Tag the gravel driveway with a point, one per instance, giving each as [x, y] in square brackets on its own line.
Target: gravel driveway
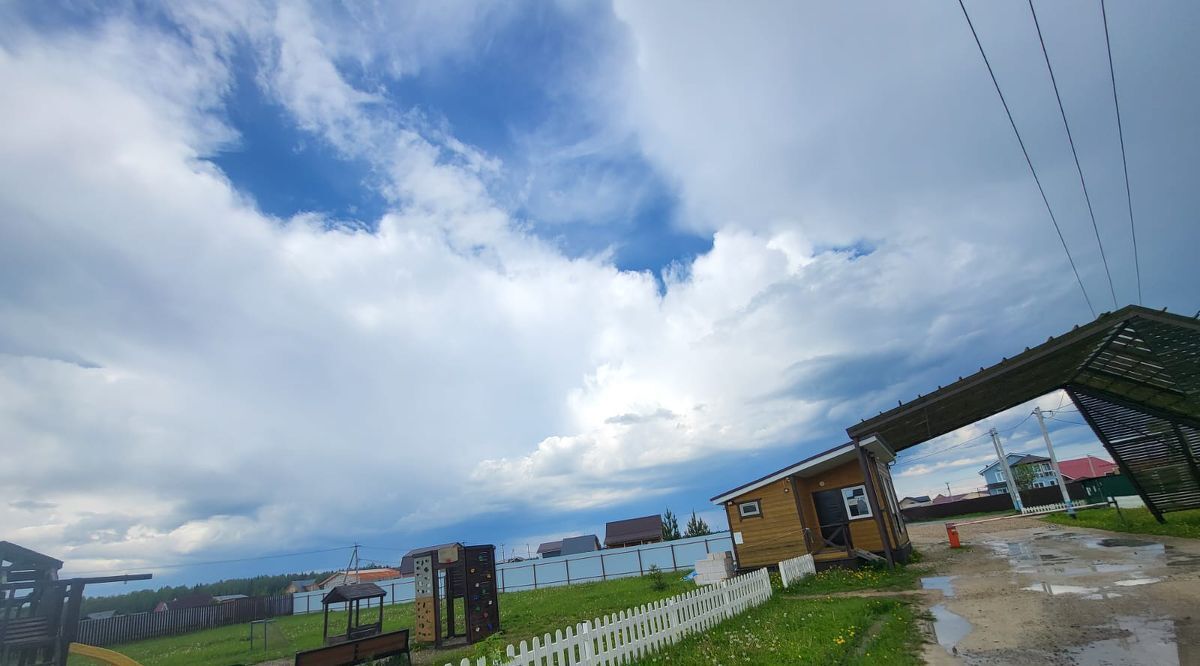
[1028, 592]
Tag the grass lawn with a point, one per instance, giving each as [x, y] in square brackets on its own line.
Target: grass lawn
[1138, 521]
[868, 577]
[847, 630]
[523, 615]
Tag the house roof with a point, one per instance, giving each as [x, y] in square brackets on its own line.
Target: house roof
[221, 598]
[101, 615]
[646, 528]
[946, 499]
[363, 575]
[815, 464]
[197, 600]
[1021, 459]
[585, 544]
[918, 498]
[352, 592]
[303, 583]
[550, 547]
[1088, 467]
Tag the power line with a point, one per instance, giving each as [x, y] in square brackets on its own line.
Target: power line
[964, 443]
[1028, 161]
[1075, 154]
[1124, 164]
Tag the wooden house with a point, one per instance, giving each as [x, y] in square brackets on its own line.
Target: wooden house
[633, 532]
[839, 505]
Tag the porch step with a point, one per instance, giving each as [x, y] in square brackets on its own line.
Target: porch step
[868, 556]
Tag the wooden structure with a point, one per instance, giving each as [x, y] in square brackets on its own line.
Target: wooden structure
[360, 651]
[1134, 375]
[39, 613]
[838, 505]
[633, 531]
[450, 573]
[353, 596]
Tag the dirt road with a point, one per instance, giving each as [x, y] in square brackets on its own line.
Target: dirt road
[1028, 592]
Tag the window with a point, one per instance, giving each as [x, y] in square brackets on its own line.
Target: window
[751, 509]
[857, 505]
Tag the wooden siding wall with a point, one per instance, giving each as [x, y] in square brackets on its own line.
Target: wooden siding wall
[863, 532]
[775, 536]
[895, 524]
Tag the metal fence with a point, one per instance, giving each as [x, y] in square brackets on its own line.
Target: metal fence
[126, 628]
[606, 564]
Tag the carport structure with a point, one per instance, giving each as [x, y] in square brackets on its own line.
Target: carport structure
[1134, 374]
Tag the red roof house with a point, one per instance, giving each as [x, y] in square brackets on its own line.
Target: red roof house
[1088, 467]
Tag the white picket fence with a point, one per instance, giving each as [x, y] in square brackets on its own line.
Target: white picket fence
[1057, 506]
[634, 633]
[1045, 508]
[796, 568]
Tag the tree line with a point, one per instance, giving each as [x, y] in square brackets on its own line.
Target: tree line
[695, 527]
[143, 601]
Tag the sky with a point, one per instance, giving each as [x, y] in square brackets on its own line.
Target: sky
[277, 278]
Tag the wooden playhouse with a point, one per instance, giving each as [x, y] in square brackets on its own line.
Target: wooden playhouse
[838, 505]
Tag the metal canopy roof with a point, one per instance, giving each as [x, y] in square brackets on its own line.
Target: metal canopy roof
[1127, 371]
[1113, 354]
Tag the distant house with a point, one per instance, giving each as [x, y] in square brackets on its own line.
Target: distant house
[100, 615]
[550, 549]
[946, 499]
[297, 586]
[198, 600]
[226, 598]
[633, 532]
[359, 576]
[1043, 474]
[919, 500]
[1088, 467]
[406, 562]
[584, 544]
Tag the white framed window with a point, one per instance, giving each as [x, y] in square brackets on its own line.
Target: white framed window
[751, 509]
[855, 498]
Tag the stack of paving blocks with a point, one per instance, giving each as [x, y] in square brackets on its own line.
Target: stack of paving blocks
[714, 568]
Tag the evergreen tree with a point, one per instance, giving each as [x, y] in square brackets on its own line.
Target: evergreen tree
[696, 526]
[670, 526]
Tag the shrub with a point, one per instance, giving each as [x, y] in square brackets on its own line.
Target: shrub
[658, 581]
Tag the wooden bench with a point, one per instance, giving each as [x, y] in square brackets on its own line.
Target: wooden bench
[362, 650]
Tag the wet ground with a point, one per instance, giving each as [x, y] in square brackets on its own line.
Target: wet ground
[1027, 592]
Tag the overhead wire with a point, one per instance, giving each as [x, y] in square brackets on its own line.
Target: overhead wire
[1124, 163]
[1028, 161]
[961, 444]
[1071, 140]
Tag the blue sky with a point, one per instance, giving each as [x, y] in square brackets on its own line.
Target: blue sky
[536, 266]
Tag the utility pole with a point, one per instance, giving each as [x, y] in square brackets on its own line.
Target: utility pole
[1037, 411]
[948, 492]
[1008, 477]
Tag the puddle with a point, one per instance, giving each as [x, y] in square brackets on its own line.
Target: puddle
[1136, 581]
[1055, 589]
[1124, 542]
[1140, 641]
[939, 583]
[948, 627]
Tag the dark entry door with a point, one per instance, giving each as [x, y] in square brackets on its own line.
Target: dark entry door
[831, 513]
